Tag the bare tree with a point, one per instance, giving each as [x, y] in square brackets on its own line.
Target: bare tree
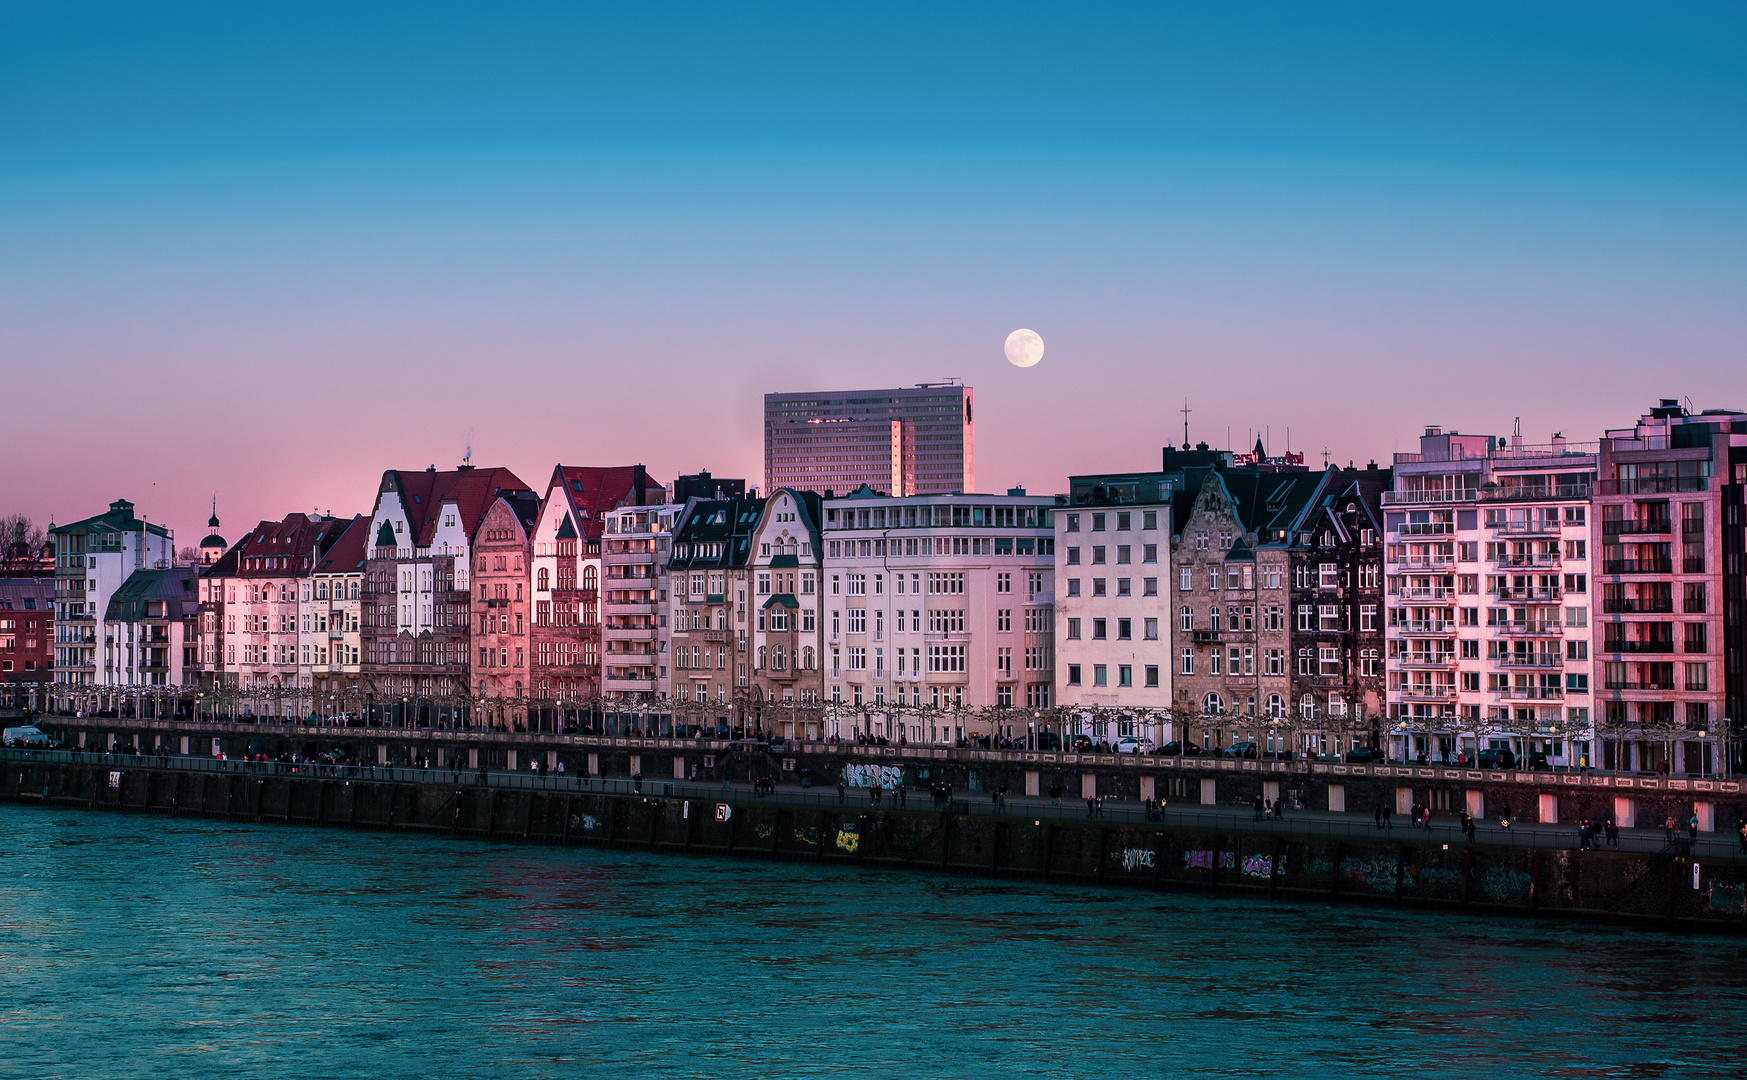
[30, 532]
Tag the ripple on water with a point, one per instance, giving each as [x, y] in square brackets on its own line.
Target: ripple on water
[136, 946]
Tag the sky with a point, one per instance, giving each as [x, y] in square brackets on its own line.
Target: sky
[269, 250]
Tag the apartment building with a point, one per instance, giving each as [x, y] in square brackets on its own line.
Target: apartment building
[1335, 647]
[1488, 583]
[256, 646]
[566, 639]
[154, 618]
[1113, 618]
[1667, 521]
[636, 546]
[502, 550]
[938, 614]
[93, 559]
[335, 618]
[417, 602]
[27, 622]
[918, 440]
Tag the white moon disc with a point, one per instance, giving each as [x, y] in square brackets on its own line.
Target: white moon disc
[1024, 348]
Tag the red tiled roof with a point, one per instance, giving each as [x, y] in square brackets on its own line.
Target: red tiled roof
[349, 550]
[471, 490]
[592, 490]
[290, 541]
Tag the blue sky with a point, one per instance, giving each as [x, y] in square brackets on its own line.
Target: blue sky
[598, 235]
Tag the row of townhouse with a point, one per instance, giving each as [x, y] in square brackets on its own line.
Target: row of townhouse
[1581, 601]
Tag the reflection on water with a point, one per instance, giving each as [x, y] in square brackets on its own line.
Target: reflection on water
[147, 946]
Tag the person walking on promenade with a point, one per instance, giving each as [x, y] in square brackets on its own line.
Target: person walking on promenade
[1468, 825]
[840, 791]
[1692, 827]
[1583, 835]
[1377, 815]
[1259, 806]
[903, 795]
[1098, 801]
[1088, 806]
[1741, 835]
[1612, 831]
[1055, 794]
[1279, 809]
[1668, 829]
[1388, 819]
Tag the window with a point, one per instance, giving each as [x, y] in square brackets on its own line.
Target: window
[1004, 620]
[1149, 586]
[1034, 583]
[1305, 661]
[946, 584]
[946, 622]
[1216, 663]
[1073, 523]
[1073, 629]
[1003, 582]
[1151, 629]
[1098, 587]
[1698, 677]
[1329, 617]
[1098, 629]
[1328, 660]
[1073, 556]
[1367, 617]
[857, 658]
[1098, 555]
[1695, 638]
[1213, 705]
[1187, 662]
[1124, 675]
[1100, 676]
[1122, 554]
[1273, 662]
[1693, 597]
[857, 620]
[1306, 617]
[1185, 579]
[1124, 629]
[1188, 618]
[1122, 587]
[1073, 586]
[1073, 674]
[1328, 575]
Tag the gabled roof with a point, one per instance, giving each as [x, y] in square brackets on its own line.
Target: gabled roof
[348, 551]
[293, 544]
[729, 522]
[589, 491]
[424, 493]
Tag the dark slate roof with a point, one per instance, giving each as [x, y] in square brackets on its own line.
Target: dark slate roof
[117, 519]
[348, 551]
[729, 522]
[422, 494]
[784, 562]
[174, 586]
[785, 599]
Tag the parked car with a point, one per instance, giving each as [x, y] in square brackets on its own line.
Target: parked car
[1187, 749]
[1048, 740]
[1538, 760]
[1081, 743]
[1240, 750]
[1128, 744]
[1498, 757]
[1363, 755]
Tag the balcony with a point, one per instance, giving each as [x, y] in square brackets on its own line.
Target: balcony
[1531, 595]
[1531, 693]
[1434, 627]
[1636, 527]
[1559, 493]
[1532, 629]
[1638, 566]
[1421, 498]
[1205, 637]
[1531, 527]
[1541, 662]
[1618, 645]
[1652, 685]
[1428, 691]
[1427, 562]
[1427, 660]
[1692, 566]
[1658, 485]
[1657, 606]
[1426, 528]
[1427, 592]
[1528, 562]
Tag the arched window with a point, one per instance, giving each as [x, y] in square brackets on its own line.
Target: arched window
[591, 578]
[761, 657]
[352, 593]
[1276, 707]
[544, 580]
[321, 590]
[1212, 705]
[807, 657]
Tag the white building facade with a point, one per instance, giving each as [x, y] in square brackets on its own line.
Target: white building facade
[93, 559]
[938, 614]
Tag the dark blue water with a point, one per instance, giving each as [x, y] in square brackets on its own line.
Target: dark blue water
[147, 946]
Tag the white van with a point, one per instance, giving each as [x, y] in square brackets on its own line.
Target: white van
[27, 736]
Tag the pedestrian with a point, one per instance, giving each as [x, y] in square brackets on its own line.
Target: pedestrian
[1668, 829]
[1583, 835]
[1388, 822]
[1099, 802]
[1741, 835]
[903, 796]
[1279, 810]
[841, 790]
[1692, 827]
[1259, 805]
[1612, 829]
[1377, 815]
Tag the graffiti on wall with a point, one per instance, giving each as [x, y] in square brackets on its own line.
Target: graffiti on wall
[1377, 873]
[1502, 884]
[1262, 866]
[1203, 860]
[849, 839]
[1133, 858]
[885, 776]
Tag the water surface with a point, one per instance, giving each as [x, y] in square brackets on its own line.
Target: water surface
[152, 946]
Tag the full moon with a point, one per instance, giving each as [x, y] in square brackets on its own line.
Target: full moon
[1024, 348]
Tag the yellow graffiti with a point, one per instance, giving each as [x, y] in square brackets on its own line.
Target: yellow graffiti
[807, 836]
[849, 840]
[761, 831]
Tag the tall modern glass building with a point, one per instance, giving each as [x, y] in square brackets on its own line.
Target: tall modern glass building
[913, 441]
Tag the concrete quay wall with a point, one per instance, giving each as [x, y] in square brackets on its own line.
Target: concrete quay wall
[1403, 867]
[1564, 798]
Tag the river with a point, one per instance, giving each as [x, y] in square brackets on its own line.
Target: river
[182, 947]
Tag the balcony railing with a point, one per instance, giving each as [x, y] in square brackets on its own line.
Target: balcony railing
[1530, 593]
[1427, 562]
[1535, 494]
[1530, 693]
[1652, 685]
[1532, 629]
[1427, 592]
[1637, 566]
[1692, 566]
[1427, 627]
[1636, 526]
[1638, 607]
[1426, 528]
[1529, 562]
[1428, 692]
[1542, 662]
[1616, 645]
[1656, 485]
[1419, 498]
[1426, 660]
[1531, 527]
